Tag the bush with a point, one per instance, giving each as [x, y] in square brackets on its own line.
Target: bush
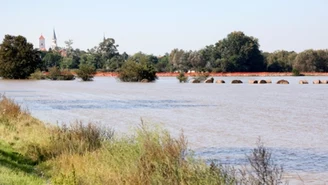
[66, 75]
[86, 72]
[132, 71]
[37, 75]
[296, 72]
[56, 74]
[182, 77]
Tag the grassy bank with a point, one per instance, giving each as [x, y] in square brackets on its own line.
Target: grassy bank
[32, 152]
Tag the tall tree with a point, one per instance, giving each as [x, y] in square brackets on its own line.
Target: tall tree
[312, 61]
[51, 59]
[69, 47]
[18, 59]
[240, 52]
[280, 61]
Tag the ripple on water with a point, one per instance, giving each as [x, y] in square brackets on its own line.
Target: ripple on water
[292, 160]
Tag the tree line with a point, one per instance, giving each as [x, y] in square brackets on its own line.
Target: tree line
[235, 53]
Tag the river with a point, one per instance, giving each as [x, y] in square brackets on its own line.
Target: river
[221, 121]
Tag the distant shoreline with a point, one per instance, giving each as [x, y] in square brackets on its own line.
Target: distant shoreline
[237, 74]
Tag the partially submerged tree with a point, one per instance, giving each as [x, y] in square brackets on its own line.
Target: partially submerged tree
[18, 59]
[137, 68]
[240, 53]
[182, 77]
[86, 72]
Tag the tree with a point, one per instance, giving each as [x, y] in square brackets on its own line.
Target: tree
[66, 63]
[163, 64]
[18, 59]
[69, 48]
[86, 72]
[312, 61]
[280, 61]
[137, 68]
[240, 53]
[197, 61]
[175, 57]
[51, 59]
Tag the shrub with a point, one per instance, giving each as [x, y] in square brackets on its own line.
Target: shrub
[296, 72]
[56, 74]
[182, 77]
[86, 72]
[37, 75]
[66, 75]
[132, 71]
[264, 171]
[261, 169]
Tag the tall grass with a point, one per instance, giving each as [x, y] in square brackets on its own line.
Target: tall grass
[8, 108]
[87, 154]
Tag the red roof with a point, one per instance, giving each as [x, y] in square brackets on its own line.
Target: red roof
[41, 37]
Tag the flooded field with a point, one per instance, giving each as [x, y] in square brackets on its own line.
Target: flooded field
[222, 122]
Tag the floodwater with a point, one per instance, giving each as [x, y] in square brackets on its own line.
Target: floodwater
[222, 122]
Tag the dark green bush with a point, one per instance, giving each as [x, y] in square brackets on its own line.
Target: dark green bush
[133, 71]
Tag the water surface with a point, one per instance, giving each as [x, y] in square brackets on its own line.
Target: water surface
[222, 122]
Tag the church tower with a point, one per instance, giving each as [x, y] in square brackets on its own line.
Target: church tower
[42, 43]
[54, 41]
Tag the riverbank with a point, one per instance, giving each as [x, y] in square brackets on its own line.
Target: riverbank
[33, 152]
[237, 74]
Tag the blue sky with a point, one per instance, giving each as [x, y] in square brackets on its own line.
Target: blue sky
[156, 27]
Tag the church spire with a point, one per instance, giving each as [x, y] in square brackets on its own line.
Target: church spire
[54, 41]
[54, 36]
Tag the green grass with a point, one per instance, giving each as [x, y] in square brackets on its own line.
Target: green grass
[17, 169]
[32, 152]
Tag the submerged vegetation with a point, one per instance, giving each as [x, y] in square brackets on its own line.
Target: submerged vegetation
[137, 69]
[182, 77]
[86, 72]
[32, 152]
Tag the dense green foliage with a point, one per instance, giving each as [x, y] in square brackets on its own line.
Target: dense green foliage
[138, 68]
[86, 72]
[235, 53]
[18, 59]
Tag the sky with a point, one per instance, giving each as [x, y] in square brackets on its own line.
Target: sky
[158, 26]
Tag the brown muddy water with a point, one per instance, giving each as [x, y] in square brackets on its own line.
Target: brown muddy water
[222, 122]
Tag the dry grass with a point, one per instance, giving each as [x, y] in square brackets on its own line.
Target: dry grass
[86, 154]
[9, 108]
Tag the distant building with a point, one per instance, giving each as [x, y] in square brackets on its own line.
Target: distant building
[54, 47]
[54, 41]
[42, 43]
